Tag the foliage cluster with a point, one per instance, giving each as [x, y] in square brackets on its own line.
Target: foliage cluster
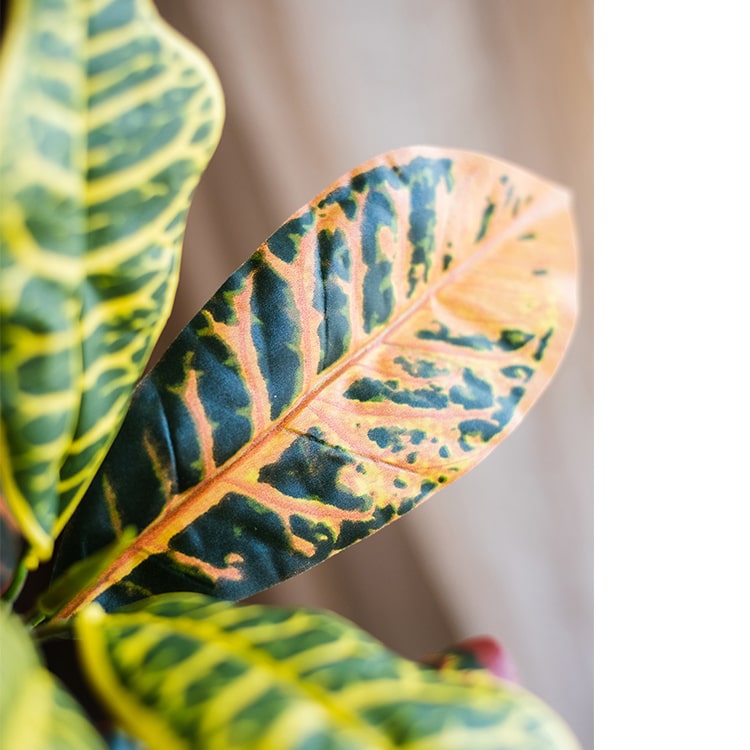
[375, 347]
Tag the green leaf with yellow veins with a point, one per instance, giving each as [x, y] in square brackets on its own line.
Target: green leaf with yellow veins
[36, 713]
[107, 120]
[185, 671]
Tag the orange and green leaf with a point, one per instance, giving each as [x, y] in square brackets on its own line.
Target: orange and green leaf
[376, 347]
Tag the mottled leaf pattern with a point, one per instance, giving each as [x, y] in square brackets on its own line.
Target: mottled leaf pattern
[376, 347]
[185, 671]
[36, 713]
[107, 119]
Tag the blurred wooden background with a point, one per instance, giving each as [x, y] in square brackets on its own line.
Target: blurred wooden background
[315, 88]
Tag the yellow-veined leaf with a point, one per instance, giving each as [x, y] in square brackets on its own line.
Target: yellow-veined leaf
[376, 347]
[107, 119]
[184, 671]
[36, 713]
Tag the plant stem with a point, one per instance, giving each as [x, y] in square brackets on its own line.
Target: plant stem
[16, 584]
[34, 618]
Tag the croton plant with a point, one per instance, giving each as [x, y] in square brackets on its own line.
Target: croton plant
[377, 346]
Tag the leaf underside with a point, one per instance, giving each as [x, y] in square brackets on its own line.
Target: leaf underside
[375, 348]
[36, 713]
[107, 119]
[185, 671]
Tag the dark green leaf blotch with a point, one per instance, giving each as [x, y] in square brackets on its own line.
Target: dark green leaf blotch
[486, 216]
[543, 341]
[368, 389]
[276, 335]
[309, 468]
[377, 303]
[513, 338]
[334, 331]
[478, 342]
[475, 393]
[284, 242]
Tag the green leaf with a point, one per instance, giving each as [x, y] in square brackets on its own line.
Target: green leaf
[376, 347]
[185, 671]
[120, 740]
[36, 713]
[10, 550]
[107, 119]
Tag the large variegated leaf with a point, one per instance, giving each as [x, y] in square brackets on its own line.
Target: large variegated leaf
[376, 347]
[107, 119]
[184, 671]
[36, 713]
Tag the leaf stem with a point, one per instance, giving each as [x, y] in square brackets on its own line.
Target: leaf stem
[34, 618]
[16, 585]
[53, 630]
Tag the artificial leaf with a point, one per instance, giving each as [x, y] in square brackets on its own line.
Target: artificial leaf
[107, 119]
[376, 347]
[185, 671]
[36, 713]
